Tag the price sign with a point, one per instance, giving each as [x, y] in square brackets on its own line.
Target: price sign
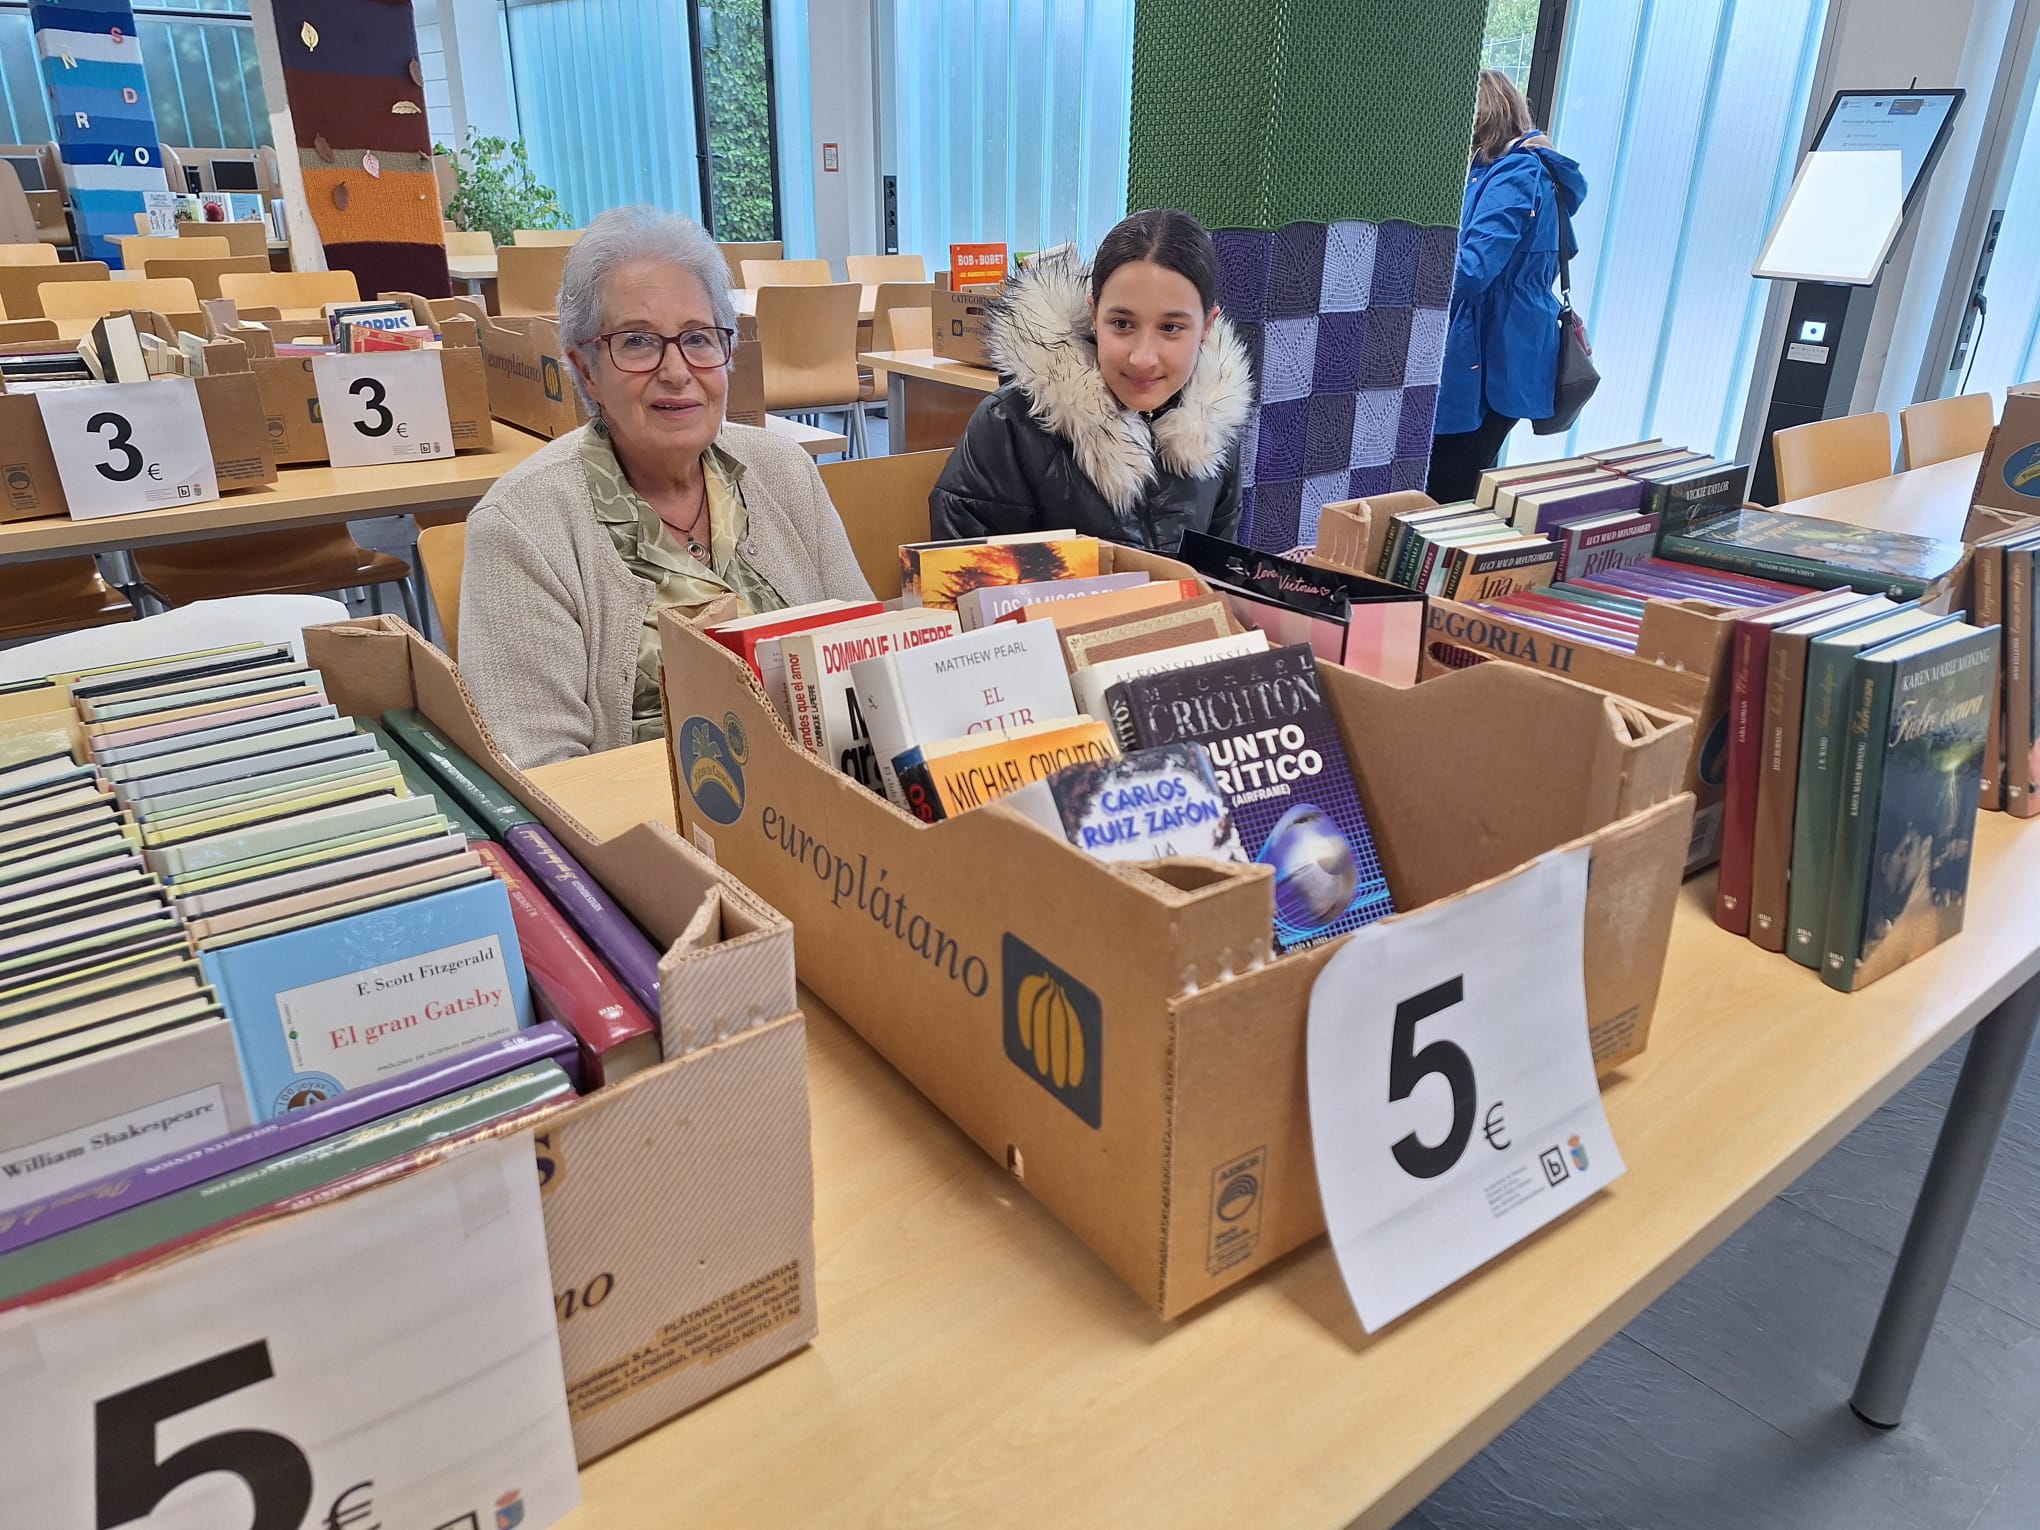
[1453, 1104]
[388, 1360]
[383, 406]
[124, 447]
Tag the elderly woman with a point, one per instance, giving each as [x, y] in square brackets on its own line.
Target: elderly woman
[657, 503]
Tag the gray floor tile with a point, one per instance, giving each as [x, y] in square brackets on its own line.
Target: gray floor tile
[2015, 1502]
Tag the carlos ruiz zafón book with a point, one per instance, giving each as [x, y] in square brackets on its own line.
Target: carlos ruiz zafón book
[1276, 750]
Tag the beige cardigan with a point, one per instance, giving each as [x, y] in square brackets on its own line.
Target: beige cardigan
[550, 616]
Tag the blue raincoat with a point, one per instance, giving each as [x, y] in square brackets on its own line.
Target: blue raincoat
[1501, 346]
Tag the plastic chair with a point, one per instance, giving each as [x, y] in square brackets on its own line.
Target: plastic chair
[204, 275]
[38, 599]
[37, 254]
[900, 316]
[787, 273]
[807, 338]
[735, 253]
[303, 560]
[242, 238]
[137, 250]
[298, 294]
[1943, 428]
[75, 304]
[528, 278]
[1831, 454]
[442, 550]
[874, 269]
[21, 286]
[883, 502]
[539, 238]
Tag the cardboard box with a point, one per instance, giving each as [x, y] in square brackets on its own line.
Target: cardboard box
[959, 321]
[744, 403]
[924, 936]
[530, 380]
[2010, 476]
[1351, 533]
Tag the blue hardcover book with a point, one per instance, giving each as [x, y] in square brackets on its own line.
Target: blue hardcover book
[323, 1009]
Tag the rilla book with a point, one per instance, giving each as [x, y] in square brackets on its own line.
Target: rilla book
[1277, 753]
[1595, 544]
[1817, 553]
[939, 573]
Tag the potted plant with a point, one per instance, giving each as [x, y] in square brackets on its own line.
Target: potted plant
[496, 190]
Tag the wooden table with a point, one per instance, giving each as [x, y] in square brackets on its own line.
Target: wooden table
[472, 268]
[1931, 501]
[978, 1366]
[929, 399]
[817, 441]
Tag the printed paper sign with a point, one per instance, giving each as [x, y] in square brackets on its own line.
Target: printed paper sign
[390, 1359]
[126, 1141]
[123, 447]
[1453, 1104]
[383, 406]
[363, 1025]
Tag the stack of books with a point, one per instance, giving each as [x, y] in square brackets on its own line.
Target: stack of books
[1808, 551]
[1464, 553]
[1648, 477]
[2006, 588]
[377, 324]
[1606, 609]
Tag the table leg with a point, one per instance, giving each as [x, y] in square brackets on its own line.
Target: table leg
[895, 414]
[1969, 1135]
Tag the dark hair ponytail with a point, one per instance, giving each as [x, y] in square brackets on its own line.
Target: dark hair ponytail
[1173, 240]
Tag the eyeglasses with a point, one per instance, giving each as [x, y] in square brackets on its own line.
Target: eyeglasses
[642, 350]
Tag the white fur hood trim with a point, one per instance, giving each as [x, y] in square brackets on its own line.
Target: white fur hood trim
[1040, 337]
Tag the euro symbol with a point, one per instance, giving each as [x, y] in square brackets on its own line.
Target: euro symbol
[156, 470]
[1492, 1129]
[346, 1516]
[403, 429]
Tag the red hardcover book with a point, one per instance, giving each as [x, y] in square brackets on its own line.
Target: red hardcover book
[742, 636]
[570, 983]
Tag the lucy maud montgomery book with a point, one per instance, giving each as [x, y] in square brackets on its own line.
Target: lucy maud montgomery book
[1276, 752]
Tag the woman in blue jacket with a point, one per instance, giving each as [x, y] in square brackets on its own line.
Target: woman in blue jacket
[1501, 347]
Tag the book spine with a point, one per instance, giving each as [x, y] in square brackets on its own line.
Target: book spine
[421, 784]
[1861, 779]
[799, 698]
[1789, 569]
[1990, 564]
[477, 790]
[589, 909]
[1119, 716]
[1739, 796]
[884, 714]
[1777, 778]
[1813, 824]
[917, 787]
[2019, 798]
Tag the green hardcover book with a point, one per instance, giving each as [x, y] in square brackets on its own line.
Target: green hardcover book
[1919, 711]
[178, 1217]
[1804, 549]
[248, 869]
[353, 775]
[421, 782]
[1823, 727]
[478, 791]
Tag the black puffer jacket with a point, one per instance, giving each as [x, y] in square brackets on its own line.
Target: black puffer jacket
[1054, 447]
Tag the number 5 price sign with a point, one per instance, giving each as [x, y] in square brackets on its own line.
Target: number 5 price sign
[1453, 1104]
[383, 406]
[122, 447]
[389, 1359]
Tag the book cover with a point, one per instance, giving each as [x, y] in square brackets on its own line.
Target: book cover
[942, 785]
[271, 726]
[243, 767]
[2020, 799]
[1405, 524]
[742, 636]
[981, 607]
[1688, 491]
[822, 696]
[183, 696]
[261, 891]
[107, 681]
[1538, 511]
[420, 782]
[1919, 709]
[569, 984]
[1094, 680]
[325, 1008]
[478, 792]
[1105, 604]
[298, 705]
[316, 853]
[1149, 805]
[107, 1035]
[1188, 621]
[1492, 481]
[1987, 562]
[1276, 750]
[937, 574]
[598, 917]
[1482, 573]
[1512, 503]
[1004, 676]
[1814, 552]
[385, 811]
[209, 927]
[255, 810]
[1587, 548]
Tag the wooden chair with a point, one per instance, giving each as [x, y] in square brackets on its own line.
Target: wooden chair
[787, 273]
[539, 238]
[735, 254]
[20, 331]
[17, 218]
[900, 316]
[39, 599]
[303, 560]
[52, 227]
[1831, 454]
[807, 337]
[470, 242]
[1943, 428]
[204, 275]
[21, 286]
[298, 294]
[242, 238]
[874, 269]
[137, 250]
[141, 223]
[528, 278]
[37, 254]
[883, 502]
[80, 305]
[443, 550]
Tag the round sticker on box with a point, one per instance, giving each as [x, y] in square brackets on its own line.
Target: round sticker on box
[711, 769]
[2022, 471]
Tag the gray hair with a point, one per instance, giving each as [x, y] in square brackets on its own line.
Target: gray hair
[625, 234]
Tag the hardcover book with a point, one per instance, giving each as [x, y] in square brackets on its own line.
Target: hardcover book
[1497, 568]
[1538, 510]
[1149, 805]
[478, 792]
[1816, 553]
[1277, 753]
[1596, 544]
[589, 909]
[822, 696]
[1188, 621]
[981, 607]
[1094, 680]
[743, 635]
[942, 783]
[939, 573]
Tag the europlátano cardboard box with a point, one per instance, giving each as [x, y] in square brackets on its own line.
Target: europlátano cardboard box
[679, 1205]
[2010, 476]
[530, 381]
[932, 939]
[961, 323]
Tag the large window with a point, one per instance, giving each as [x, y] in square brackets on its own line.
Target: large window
[1012, 121]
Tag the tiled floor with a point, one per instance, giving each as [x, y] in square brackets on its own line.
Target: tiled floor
[1724, 1406]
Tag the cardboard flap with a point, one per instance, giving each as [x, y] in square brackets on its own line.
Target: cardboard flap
[457, 328]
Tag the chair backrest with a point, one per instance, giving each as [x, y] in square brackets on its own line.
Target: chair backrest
[528, 278]
[735, 253]
[173, 167]
[470, 242]
[141, 223]
[883, 502]
[51, 226]
[900, 316]
[787, 273]
[204, 275]
[447, 177]
[1831, 454]
[17, 218]
[296, 293]
[21, 286]
[443, 549]
[246, 238]
[873, 269]
[19, 331]
[88, 302]
[37, 254]
[137, 250]
[542, 237]
[1946, 427]
[807, 339]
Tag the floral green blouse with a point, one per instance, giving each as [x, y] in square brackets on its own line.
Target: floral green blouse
[651, 551]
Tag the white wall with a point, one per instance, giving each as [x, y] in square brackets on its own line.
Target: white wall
[843, 93]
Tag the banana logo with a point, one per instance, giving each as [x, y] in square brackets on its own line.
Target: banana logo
[1050, 1027]
[707, 768]
[2022, 470]
[2026, 475]
[714, 772]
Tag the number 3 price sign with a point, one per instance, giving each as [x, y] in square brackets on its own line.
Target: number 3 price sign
[122, 447]
[383, 406]
[1453, 1104]
[388, 1360]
